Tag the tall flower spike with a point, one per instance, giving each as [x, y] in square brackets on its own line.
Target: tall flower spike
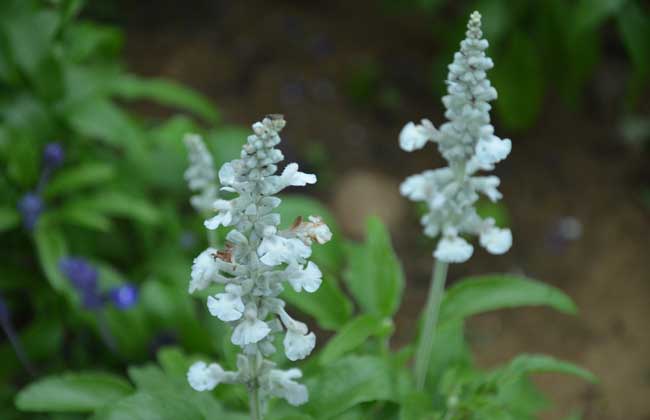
[200, 175]
[468, 143]
[257, 260]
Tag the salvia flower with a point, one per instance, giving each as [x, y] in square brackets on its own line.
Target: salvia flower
[30, 207]
[256, 261]
[200, 175]
[53, 155]
[83, 277]
[124, 296]
[468, 143]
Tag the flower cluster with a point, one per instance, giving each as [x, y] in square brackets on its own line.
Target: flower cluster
[200, 175]
[257, 258]
[31, 203]
[468, 143]
[83, 277]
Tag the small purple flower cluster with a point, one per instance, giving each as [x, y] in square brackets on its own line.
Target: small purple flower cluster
[31, 204]
[84, 276]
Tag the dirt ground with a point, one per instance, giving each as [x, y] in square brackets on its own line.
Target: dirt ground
[254, 57]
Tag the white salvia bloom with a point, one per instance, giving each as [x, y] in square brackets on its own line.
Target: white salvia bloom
[204, 377]
[309, 278]
[281, 384]
[453, 249]
[468, 143]
[204, 270]
[227, 306]
[257, 260]
[200, 175]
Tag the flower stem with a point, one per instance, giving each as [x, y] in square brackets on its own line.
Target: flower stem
[253, 391]
[425, 345]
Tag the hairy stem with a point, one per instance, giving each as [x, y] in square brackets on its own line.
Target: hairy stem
[254, 399]
[431, 310]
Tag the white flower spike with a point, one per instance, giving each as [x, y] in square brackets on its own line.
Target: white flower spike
[200, 175]
[257, 259]
[468, 143]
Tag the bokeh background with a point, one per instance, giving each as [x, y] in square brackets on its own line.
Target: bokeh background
[572, 78]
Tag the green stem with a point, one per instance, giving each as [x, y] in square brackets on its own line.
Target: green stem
[253, 391]
[425, 345]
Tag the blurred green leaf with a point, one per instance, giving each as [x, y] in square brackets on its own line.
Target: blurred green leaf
[347, 382]
[328, 305]
[225, 143]
[517, 76]
[74, 392]
[117, 203]
[79, 177]
[147, 406]
[526, 364]
[474, 295]
[166, 93]
[374, 275]
[51, 247]
[100, 119]
[634, 26]
[351, 336]
[78, 216]
[9, 218]
[84, 40]
[592, 13]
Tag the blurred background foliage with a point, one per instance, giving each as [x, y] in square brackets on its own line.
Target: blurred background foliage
[542, 45]
[119, 199]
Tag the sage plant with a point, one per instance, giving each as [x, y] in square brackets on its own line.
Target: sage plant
[253, 265]
[468, 144]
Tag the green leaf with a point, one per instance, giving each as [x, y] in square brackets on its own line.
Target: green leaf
[591, 13]
[9, 218]
[166, 93]
[100, 119]
[73, 392]
[116, 203]
[474, 295]
[526, 364]
[79, 177]
[51, 247]
[147, 406]
[352, 335]
[328, 305]
[634, 26]
[374, 275]
[518, 77]
[78, 216]
[347, 382]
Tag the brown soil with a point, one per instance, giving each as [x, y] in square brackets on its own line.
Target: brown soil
[256, 57]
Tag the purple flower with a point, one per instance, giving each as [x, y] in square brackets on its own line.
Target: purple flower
[53, 155]
[83, 277]
[124, 296]
[30, 207]
[80, 273]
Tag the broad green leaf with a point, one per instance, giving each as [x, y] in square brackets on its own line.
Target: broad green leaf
[146, 406]
[79, 177]
[9, 218]
[101, 119]
[591, 13]
[78, 216]
[352, 335]
[225, 143]
[116, 203]
[347, 382]
[474, 295]
[526, 364]
[174, 362]
[329, 306]
[51, 247]
[634, 26]
[73, 392]
[518, 77]
[328, 256]
[374, 274]
[166, 93]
